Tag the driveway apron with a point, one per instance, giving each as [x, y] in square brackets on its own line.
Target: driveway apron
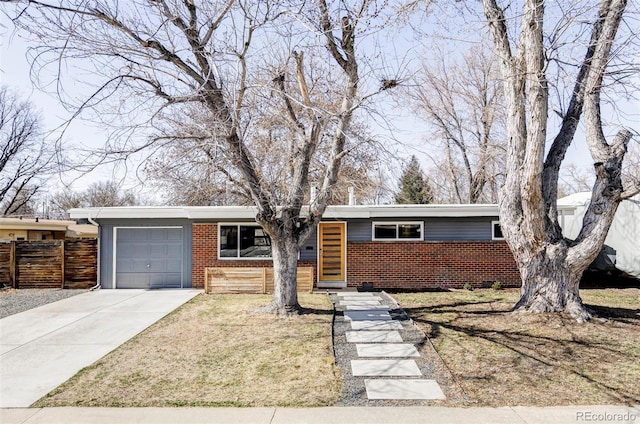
[45, 346]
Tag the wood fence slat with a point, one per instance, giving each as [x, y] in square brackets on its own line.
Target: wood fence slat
[81, 263]
[49, 263]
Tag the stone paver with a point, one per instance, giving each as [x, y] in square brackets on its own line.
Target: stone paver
[358, 294]
[366, 307]
[385, 367]
[361, 298]
[376, 325]
[403, 389]
[387, 350]
[373, 336]
[360, 303]
[376, 314]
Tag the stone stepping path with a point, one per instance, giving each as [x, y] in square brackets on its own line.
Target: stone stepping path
[386, 357]
[369, 315]
[376, 325]
[391, 350]
[403, 389]
[373, 336]
[385, 367]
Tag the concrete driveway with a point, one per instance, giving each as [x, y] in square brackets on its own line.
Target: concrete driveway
[43, 347]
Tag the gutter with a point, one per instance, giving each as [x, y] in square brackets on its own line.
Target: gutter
[98, 285]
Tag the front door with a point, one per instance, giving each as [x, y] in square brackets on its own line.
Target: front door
[332, 249]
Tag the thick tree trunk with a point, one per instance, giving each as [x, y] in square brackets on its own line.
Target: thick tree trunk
[550, 284]
[285, 252]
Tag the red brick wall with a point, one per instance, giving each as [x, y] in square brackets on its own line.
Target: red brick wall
[410, 265]
[205, 255]
[430, 265]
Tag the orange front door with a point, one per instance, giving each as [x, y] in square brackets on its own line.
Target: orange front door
[332, 251]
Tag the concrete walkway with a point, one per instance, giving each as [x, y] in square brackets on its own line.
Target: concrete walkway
[334, 415]
[43, 347]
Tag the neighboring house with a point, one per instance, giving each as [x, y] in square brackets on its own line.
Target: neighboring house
[16, 229]
[418, 247]
[624, 233]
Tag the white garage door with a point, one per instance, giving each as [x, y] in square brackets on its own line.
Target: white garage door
[148, 258]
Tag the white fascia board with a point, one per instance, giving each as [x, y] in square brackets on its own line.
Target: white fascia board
[125, 212]
[436, 211]
[346, 212]
[332, 212]
[221, 212]
[167, 212]
[410, 211]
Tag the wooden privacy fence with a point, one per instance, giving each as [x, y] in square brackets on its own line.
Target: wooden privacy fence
[69, 264]
[250, 280]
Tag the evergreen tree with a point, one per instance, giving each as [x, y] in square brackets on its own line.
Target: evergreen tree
[414, 186]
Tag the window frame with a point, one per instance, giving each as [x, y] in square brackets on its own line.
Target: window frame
[397, 225]
[238, 257]
[493, 231]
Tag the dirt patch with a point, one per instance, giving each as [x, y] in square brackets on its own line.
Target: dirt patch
[502, 358]
[213, 352]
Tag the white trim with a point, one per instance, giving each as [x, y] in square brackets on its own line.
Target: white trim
[115, 253]
[332, 212]
[239, 258]
[331, 284]
[397, 223]
[114, 258]
[493, 232]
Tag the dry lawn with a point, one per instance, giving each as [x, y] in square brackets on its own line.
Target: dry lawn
[213, 352]
[504, 359]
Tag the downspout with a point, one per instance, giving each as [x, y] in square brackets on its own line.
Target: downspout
[98, 285]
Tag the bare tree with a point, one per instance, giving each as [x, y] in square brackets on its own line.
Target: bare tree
[574, 179]
[98, 194]
[550, 265]
[24, 156]
[228, 57]
[62, 201]
[107, 193]
[190, 167]
[461, 100]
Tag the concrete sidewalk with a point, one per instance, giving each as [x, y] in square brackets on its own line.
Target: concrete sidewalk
[331, 415]
[45, 346]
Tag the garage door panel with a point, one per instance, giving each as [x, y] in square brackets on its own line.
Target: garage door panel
[172, 265]
[165, 250]
[174, 250]
[158, 234]
[165, 280]
[174, 234]
[149, 257]
[157, 250]
[127, 280]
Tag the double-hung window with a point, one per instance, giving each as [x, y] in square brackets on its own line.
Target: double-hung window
[403, 231]
[243, 241]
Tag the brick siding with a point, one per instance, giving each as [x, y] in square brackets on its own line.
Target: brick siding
[390, 265]
[430, 265]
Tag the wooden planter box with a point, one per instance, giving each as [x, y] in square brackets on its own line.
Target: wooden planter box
[250, 280]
